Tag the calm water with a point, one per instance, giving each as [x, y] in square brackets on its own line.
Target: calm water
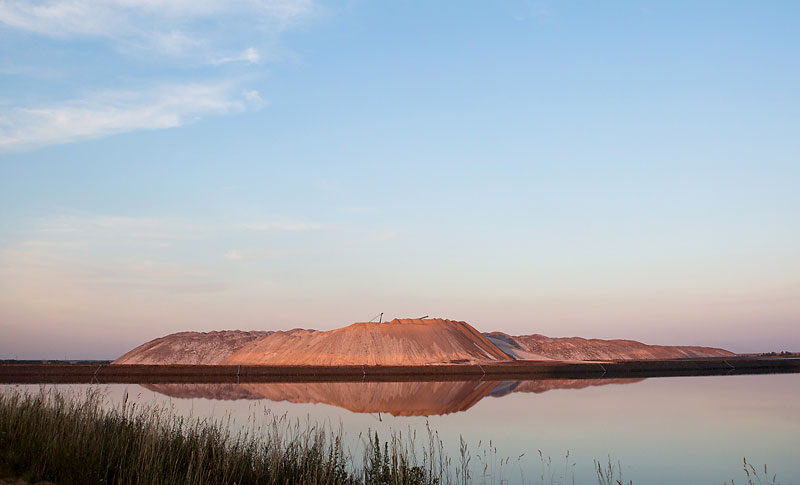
[662, 430]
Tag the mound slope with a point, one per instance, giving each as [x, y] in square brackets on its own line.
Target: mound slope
[190, 348]
[539, 347]
[398, 342]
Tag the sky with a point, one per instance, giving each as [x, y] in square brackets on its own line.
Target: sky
[600, 169]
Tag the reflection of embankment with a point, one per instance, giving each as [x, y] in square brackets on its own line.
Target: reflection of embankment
[395, 398]
[543, 385]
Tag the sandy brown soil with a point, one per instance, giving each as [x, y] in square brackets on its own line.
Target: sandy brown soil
[403, 342]
[190, 348]
[398, 342]
[579, 349]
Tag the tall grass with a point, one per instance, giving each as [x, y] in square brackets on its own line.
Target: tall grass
[54, 437]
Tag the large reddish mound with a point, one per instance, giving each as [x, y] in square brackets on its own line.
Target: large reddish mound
[398, 342]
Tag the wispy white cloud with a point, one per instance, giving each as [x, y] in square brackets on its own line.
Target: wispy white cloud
[167, 27]
[49, 244]
[114, 112]
[75, 223]
[81, 229]
[37, 72]
[174, 42]
[47, 266]
[174, 34]
[253, 98]
[89, 254]
[283, 226]
[122, 230]
[247, 56]
[126, 18]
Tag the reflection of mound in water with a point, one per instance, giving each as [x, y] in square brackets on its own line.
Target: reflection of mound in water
[539, 386]
[395, 398]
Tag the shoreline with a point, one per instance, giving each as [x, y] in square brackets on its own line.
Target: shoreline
[511, 370]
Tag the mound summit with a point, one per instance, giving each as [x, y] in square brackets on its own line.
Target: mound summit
[397, 342]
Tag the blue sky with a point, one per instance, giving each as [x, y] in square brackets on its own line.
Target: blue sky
[613, 170]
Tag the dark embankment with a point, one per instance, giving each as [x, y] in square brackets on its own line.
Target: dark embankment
[519, 370]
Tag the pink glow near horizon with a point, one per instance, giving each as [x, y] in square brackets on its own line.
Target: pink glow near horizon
[49, 313]
[596, 169]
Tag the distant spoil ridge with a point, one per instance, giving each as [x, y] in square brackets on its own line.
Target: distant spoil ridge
[398, 342]
[539, 347]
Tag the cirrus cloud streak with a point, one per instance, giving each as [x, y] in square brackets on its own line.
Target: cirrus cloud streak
[114, 112]
[119, 18]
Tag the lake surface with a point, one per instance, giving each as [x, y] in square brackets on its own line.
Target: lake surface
[661, 430]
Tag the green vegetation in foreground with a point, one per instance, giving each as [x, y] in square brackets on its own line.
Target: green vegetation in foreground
[52, 437]
[61, 438]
